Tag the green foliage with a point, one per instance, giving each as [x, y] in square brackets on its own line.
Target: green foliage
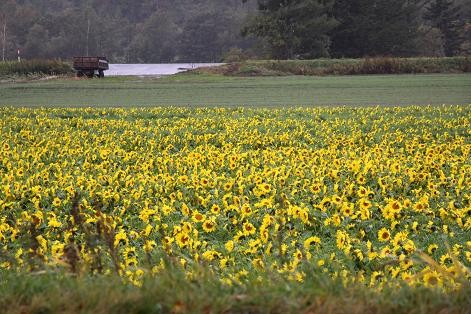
[150, 31]
[35, 67]
[146, 31]
[235, 55]
[445, 16]
[348, 66]
[375, 28]
[154, 40]
[295, 28]
[201, 37]
[51, 292]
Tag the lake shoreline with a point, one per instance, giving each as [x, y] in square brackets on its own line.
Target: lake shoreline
[158, 69]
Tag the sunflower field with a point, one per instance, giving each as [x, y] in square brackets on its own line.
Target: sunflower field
[375, 196]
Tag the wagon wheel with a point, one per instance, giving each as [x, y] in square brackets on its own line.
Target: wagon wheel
[79, 74]
[101, 74]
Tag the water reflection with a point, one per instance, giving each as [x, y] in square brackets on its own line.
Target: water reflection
[153, 69]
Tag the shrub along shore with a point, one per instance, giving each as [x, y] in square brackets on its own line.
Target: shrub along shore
[343, 66]
[315, 67]
[35, 68]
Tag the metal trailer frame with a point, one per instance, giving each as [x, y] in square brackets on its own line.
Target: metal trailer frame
[90, 66]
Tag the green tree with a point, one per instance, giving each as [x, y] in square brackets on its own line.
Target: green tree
[37, 42]
[294, 28]
[207, 36]
[375, 27]
[444, 15]
[123, 30]
[154, 41]
[199, 40]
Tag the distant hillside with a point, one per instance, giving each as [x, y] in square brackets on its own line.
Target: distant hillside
[162, 31]
[126, 30]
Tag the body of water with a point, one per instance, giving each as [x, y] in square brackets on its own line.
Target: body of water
[153, 69]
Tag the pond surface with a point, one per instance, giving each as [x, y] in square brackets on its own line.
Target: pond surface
[153, 69]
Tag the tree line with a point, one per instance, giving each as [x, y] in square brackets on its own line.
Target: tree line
[129, 31]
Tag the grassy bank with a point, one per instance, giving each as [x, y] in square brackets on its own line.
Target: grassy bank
[171, 292]
[34, 68]
[214, 90]
[345, 66]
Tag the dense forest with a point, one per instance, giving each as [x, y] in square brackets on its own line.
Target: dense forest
[129, 31]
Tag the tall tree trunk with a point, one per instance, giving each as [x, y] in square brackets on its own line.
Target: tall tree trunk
[88, 33]
[4, 38]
